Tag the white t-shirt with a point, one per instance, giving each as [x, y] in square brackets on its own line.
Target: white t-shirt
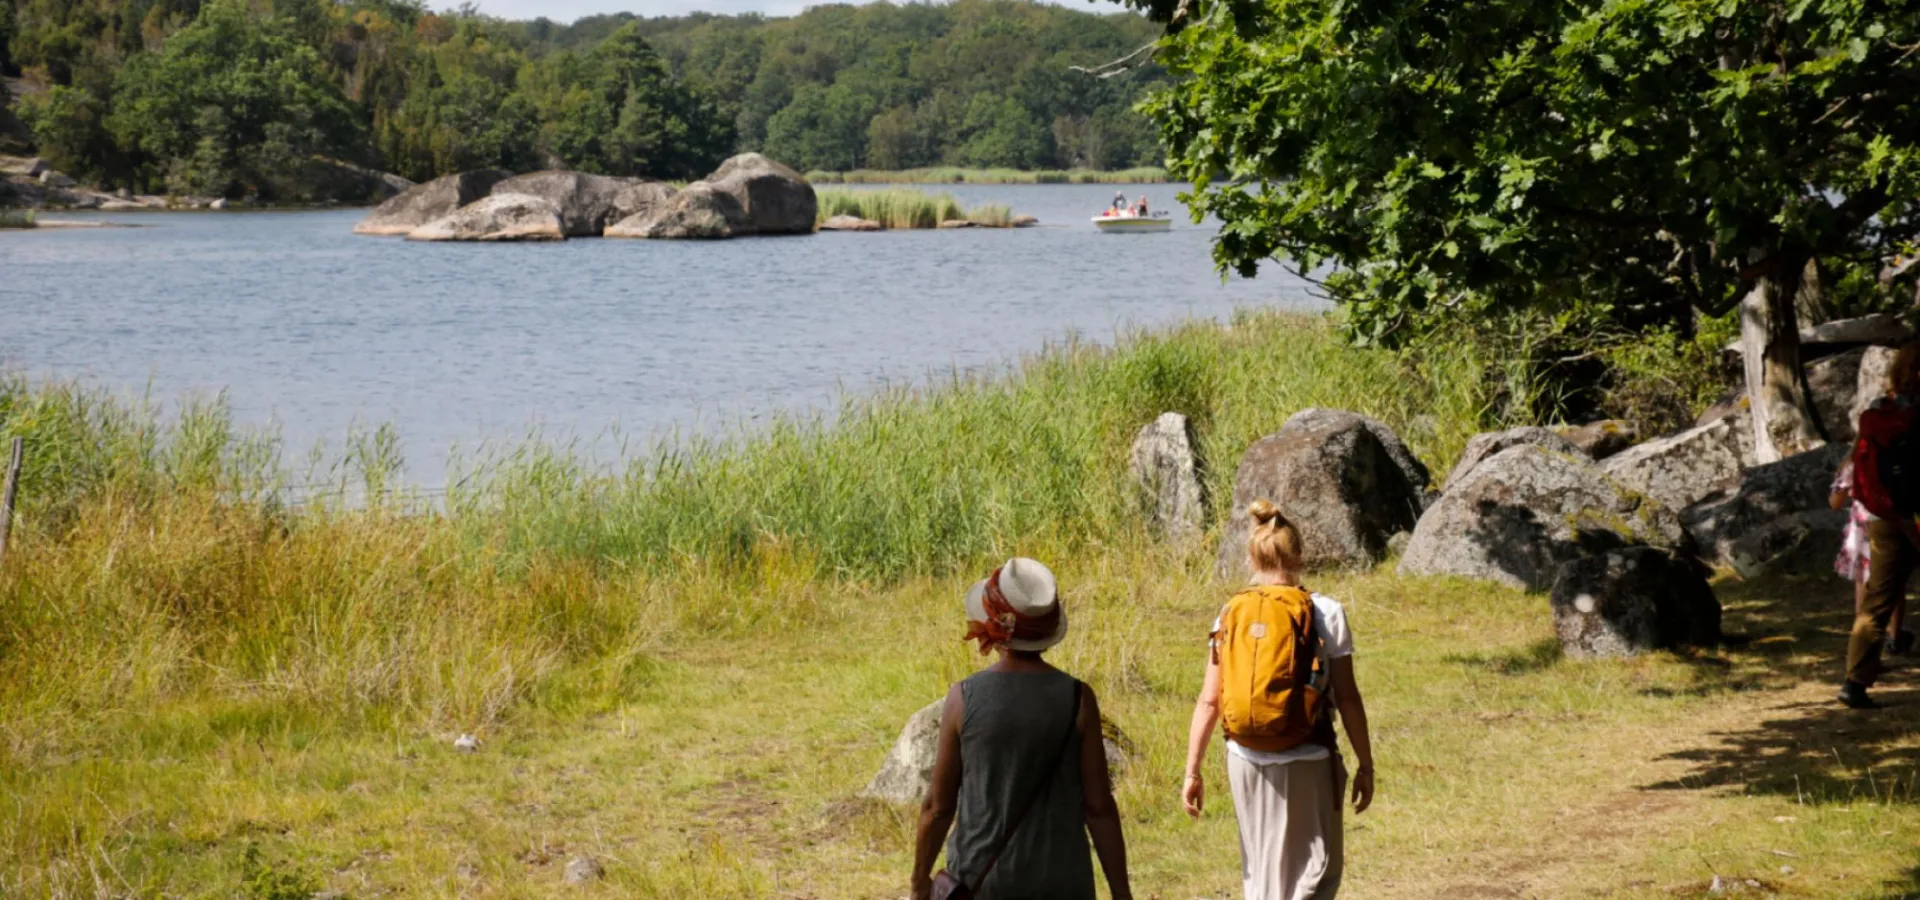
[1336, 642]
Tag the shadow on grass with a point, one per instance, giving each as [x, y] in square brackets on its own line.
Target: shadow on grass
[1788, 632]
[1538, 656]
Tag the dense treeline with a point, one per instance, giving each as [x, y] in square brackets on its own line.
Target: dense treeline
[237, 97]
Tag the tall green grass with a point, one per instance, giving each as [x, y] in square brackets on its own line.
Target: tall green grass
[907, 208]
[17, 218]
[158, 559]
[959, 175]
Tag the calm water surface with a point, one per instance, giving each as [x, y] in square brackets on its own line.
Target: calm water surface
[311, 330]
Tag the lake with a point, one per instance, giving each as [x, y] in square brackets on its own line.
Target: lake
[311, 330]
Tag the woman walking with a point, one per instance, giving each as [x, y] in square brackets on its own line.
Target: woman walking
[1020, 776]
[1281, 657]
[1886, 481]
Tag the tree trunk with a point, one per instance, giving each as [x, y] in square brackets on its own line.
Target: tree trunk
[1810, 300]
[1770, 348]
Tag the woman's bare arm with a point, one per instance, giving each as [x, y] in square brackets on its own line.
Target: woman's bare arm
[1353, 714]
[1096, 787]
[1206, 714]
[943, 796]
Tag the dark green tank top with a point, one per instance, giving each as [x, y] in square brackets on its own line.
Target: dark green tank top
[1014, 726]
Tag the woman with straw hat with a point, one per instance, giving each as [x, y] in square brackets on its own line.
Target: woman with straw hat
[1021, 773]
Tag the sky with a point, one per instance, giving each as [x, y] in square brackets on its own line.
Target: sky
[568, 10]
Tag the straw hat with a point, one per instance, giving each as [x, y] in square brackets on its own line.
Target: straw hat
[1031, 591]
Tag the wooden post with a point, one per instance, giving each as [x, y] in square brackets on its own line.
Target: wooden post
[6, 503]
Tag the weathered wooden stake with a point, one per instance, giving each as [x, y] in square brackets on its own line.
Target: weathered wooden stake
[6, 503]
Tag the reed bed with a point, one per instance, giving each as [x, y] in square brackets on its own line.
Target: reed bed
[160, 559]
[906, 208]
[957, 175]
[17, 219]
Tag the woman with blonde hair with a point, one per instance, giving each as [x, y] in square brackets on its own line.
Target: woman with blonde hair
[1020, 776]
[1883, 464]
[1280, 662]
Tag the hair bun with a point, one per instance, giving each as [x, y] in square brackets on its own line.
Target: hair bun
[1263, 511]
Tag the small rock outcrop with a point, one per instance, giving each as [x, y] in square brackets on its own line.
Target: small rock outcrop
[53, 178]
[1025, 221]
[587, 203]
[1764, 495]
[1603, 438]
[1629, 601]
[1343, 486]
[908, 770]
[1521, 514]
[1481, 446]
[749, 194]
[1166, 472]
[1680, 469]
[424, 203]
[849, 223]
[583, 869]
[501, 217]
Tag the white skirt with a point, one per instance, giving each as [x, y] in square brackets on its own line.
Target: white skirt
[1289, 814]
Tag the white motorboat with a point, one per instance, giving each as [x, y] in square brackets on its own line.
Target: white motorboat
[1129, 223]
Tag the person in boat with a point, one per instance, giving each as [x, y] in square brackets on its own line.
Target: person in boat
[1140, 208]
[1119, 202]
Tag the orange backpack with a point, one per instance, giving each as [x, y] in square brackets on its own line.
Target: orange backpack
[1269, 662]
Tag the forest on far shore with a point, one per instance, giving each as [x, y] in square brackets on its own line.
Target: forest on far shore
[236, 97]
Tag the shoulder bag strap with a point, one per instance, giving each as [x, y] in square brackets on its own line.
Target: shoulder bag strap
[1046, 781]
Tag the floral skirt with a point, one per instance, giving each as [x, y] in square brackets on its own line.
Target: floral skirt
[1852, 563]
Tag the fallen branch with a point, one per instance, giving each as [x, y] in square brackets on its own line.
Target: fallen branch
[1126, 63]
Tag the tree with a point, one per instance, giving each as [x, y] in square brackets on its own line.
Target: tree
[1641, 162]
[230, 105]
[620, 111]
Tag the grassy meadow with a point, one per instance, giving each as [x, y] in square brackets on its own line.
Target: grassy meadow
[211, 686]
[896, 208]
[959, 175]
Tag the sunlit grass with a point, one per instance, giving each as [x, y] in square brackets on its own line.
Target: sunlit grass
[689, 669]
[895, 208]
[17, 218]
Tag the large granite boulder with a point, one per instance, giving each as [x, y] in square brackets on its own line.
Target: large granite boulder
[1628, 601]
[1835, 385]
[1763, 496]
[1680, 469]
[1803, 543]
[699, 212]
[749, 194]
[1339, 483]
[499, 218]
[908, 770]
[1411, 468]
[1517, 517]
[1481, 446]
[640, 198]
[1166, 475]
[1603, 438]
[1876, 364]
[423, 203]
[587, 203]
